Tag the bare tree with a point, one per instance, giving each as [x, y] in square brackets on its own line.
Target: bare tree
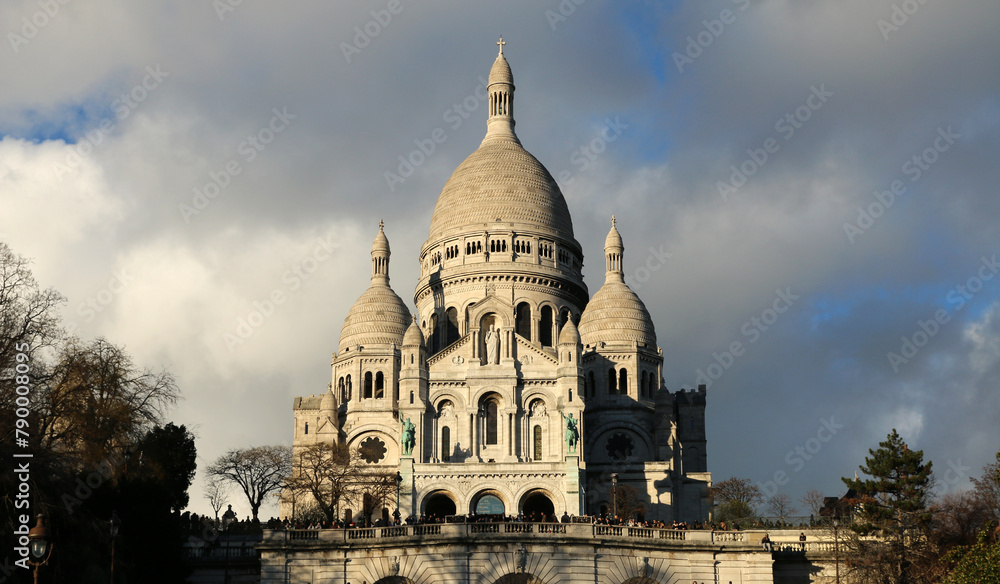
[28, 318]
[97, 403]
[627, 504]
[325, 473]
[988, 488]
[813, 501]
[376, 490]
[216, 493]
[259, 471]
[780, 506]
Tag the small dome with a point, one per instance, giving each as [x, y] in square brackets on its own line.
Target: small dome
[379, 317]
[414, 336]
[569, 335]
[328, 403]
[616, 315]
[500, 72]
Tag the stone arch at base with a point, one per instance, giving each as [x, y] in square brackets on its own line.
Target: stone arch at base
[440, 503]
[538, 501]
[522, 578]
[640, 580]
[394, 580]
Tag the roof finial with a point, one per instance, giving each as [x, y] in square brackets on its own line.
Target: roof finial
[612, 220]
[381, 224]
[500, 43]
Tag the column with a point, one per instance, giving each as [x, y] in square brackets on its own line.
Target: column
[510, 434]
[436, 438]
[472, 436]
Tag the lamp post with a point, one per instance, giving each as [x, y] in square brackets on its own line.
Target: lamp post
[614, 496]
[227, 519]
[115, 524]
[39, 546]
[399, 483]
[836, 548]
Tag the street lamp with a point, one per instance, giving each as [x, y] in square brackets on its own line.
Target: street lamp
[836, 548]
[115, 524]
[39, 546]
[614, 496]
[399, 483]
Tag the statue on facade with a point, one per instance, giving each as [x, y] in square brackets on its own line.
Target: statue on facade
[409, 437]
[492, 346]
[572, 434]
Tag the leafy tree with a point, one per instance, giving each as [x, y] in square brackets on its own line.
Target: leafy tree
[259, 471]
[977, 564]
[891, 505]
[89, 405]
[735, 498]
[170, 461]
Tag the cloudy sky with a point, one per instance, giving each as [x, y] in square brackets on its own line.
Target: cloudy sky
[810, 180]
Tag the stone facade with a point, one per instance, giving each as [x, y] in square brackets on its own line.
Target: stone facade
[525, 394]
[539, 553]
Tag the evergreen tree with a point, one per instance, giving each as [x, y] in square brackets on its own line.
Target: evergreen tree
[891, 505]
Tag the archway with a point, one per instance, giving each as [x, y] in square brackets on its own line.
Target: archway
[537, 505]
[394, 580]
[488, 503]
[440, 504]
[522, 578]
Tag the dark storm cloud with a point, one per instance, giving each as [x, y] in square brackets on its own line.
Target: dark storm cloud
[713, 264]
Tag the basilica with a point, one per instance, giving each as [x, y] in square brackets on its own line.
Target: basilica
[510, 390]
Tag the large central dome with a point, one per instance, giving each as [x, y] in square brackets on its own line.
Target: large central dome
[501, 182]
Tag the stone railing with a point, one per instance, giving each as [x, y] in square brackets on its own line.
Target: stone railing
[582, 531]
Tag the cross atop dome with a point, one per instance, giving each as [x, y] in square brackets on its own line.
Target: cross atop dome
[501, 43]
[612, 220]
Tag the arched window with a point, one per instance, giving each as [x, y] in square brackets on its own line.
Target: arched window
[368, 386]
[347, 384]
[435, 339]
[522, 320]
[446, 444]
[623, 382]
[343, 389]
[451, 326]
[591, 386]
[643, 385]
[612, 375]
[307, 427]
[379, 385]
[491, 421]
[538, 443]
[545, 327]
[411, 397]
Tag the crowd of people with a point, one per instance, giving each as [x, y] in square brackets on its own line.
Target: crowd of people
[431, 519]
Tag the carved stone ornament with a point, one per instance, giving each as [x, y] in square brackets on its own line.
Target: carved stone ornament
[520, 559]
[394, 566]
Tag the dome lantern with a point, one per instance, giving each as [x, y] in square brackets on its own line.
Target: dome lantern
[614, 252]
[500, 87]
[380, 256]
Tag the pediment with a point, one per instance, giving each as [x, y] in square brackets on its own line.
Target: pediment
[502, 308]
